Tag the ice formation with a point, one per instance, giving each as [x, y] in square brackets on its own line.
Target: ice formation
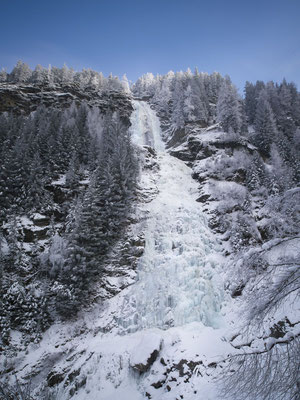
[178, 279]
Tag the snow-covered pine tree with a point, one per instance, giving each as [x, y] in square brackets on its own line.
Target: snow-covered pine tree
[39, 75]
[3, 75]
[177, 117]
[265, 125]
[229, 108]
[21, 73]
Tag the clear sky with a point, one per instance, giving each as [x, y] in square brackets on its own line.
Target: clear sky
[248, 40]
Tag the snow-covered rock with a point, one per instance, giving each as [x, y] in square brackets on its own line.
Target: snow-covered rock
[146, 352]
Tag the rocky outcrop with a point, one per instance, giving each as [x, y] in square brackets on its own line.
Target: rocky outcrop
[146, 352]
[25, 98]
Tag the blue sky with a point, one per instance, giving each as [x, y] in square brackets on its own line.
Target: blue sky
[248, 40]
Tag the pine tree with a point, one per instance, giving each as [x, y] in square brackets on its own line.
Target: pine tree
[285, 120]
[39, 75]
[281, 175]
[3, 75]
[37, 197]
[12, 178]
[125, 84]
[228, 107]
[82, 137]
[256, 174]
[21, 73]
[250, 101]
[188, 108]
[72, 174]
[199, 99]
[178, 102]
[265, 125]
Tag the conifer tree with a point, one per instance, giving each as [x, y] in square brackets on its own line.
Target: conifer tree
[265, 125]
[21, 73]
[250, 101]
[229, 108]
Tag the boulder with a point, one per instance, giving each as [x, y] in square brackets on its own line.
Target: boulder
[146, 352]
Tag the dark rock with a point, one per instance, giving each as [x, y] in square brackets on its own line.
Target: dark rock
[264, 232]
[25, 98]
[178, 137]
[181, 368]
[150, 150]
[73, 375]
[138, 251]
[200, 150]
[279, 329]
[162, 361]
[29, 236]
[54, 378]
[59, 194]
[238, 291]
[144, 367]
[198, 177]
[150, 347]
[158, 385]
[212, 365]
[41, 234]
[239, 176]
[143, 98]
[41, 221]
[183, 155]
[137, 241]
[203, 198]
[81, 382]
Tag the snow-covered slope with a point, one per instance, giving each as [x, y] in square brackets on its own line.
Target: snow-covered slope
[161, 337]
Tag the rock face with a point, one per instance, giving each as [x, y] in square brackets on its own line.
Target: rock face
[25, 98]
[146, 352]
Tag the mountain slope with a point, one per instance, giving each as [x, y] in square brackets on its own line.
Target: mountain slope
[178, 289]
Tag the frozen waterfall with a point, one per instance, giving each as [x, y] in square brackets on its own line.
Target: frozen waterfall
[178, 280]
[145, 126]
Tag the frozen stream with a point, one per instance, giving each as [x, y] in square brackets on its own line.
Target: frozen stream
[178, 280]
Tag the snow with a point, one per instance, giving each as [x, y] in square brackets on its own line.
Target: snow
[27, 223]
[84, 181]
[105, 360]
[178, 278]
[175, 306]
[38, 216]
[148, 344]
[287, 249]
[61, 181]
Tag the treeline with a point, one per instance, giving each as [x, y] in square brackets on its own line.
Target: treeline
[76, 168]
[86, 79]
[182, 96]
